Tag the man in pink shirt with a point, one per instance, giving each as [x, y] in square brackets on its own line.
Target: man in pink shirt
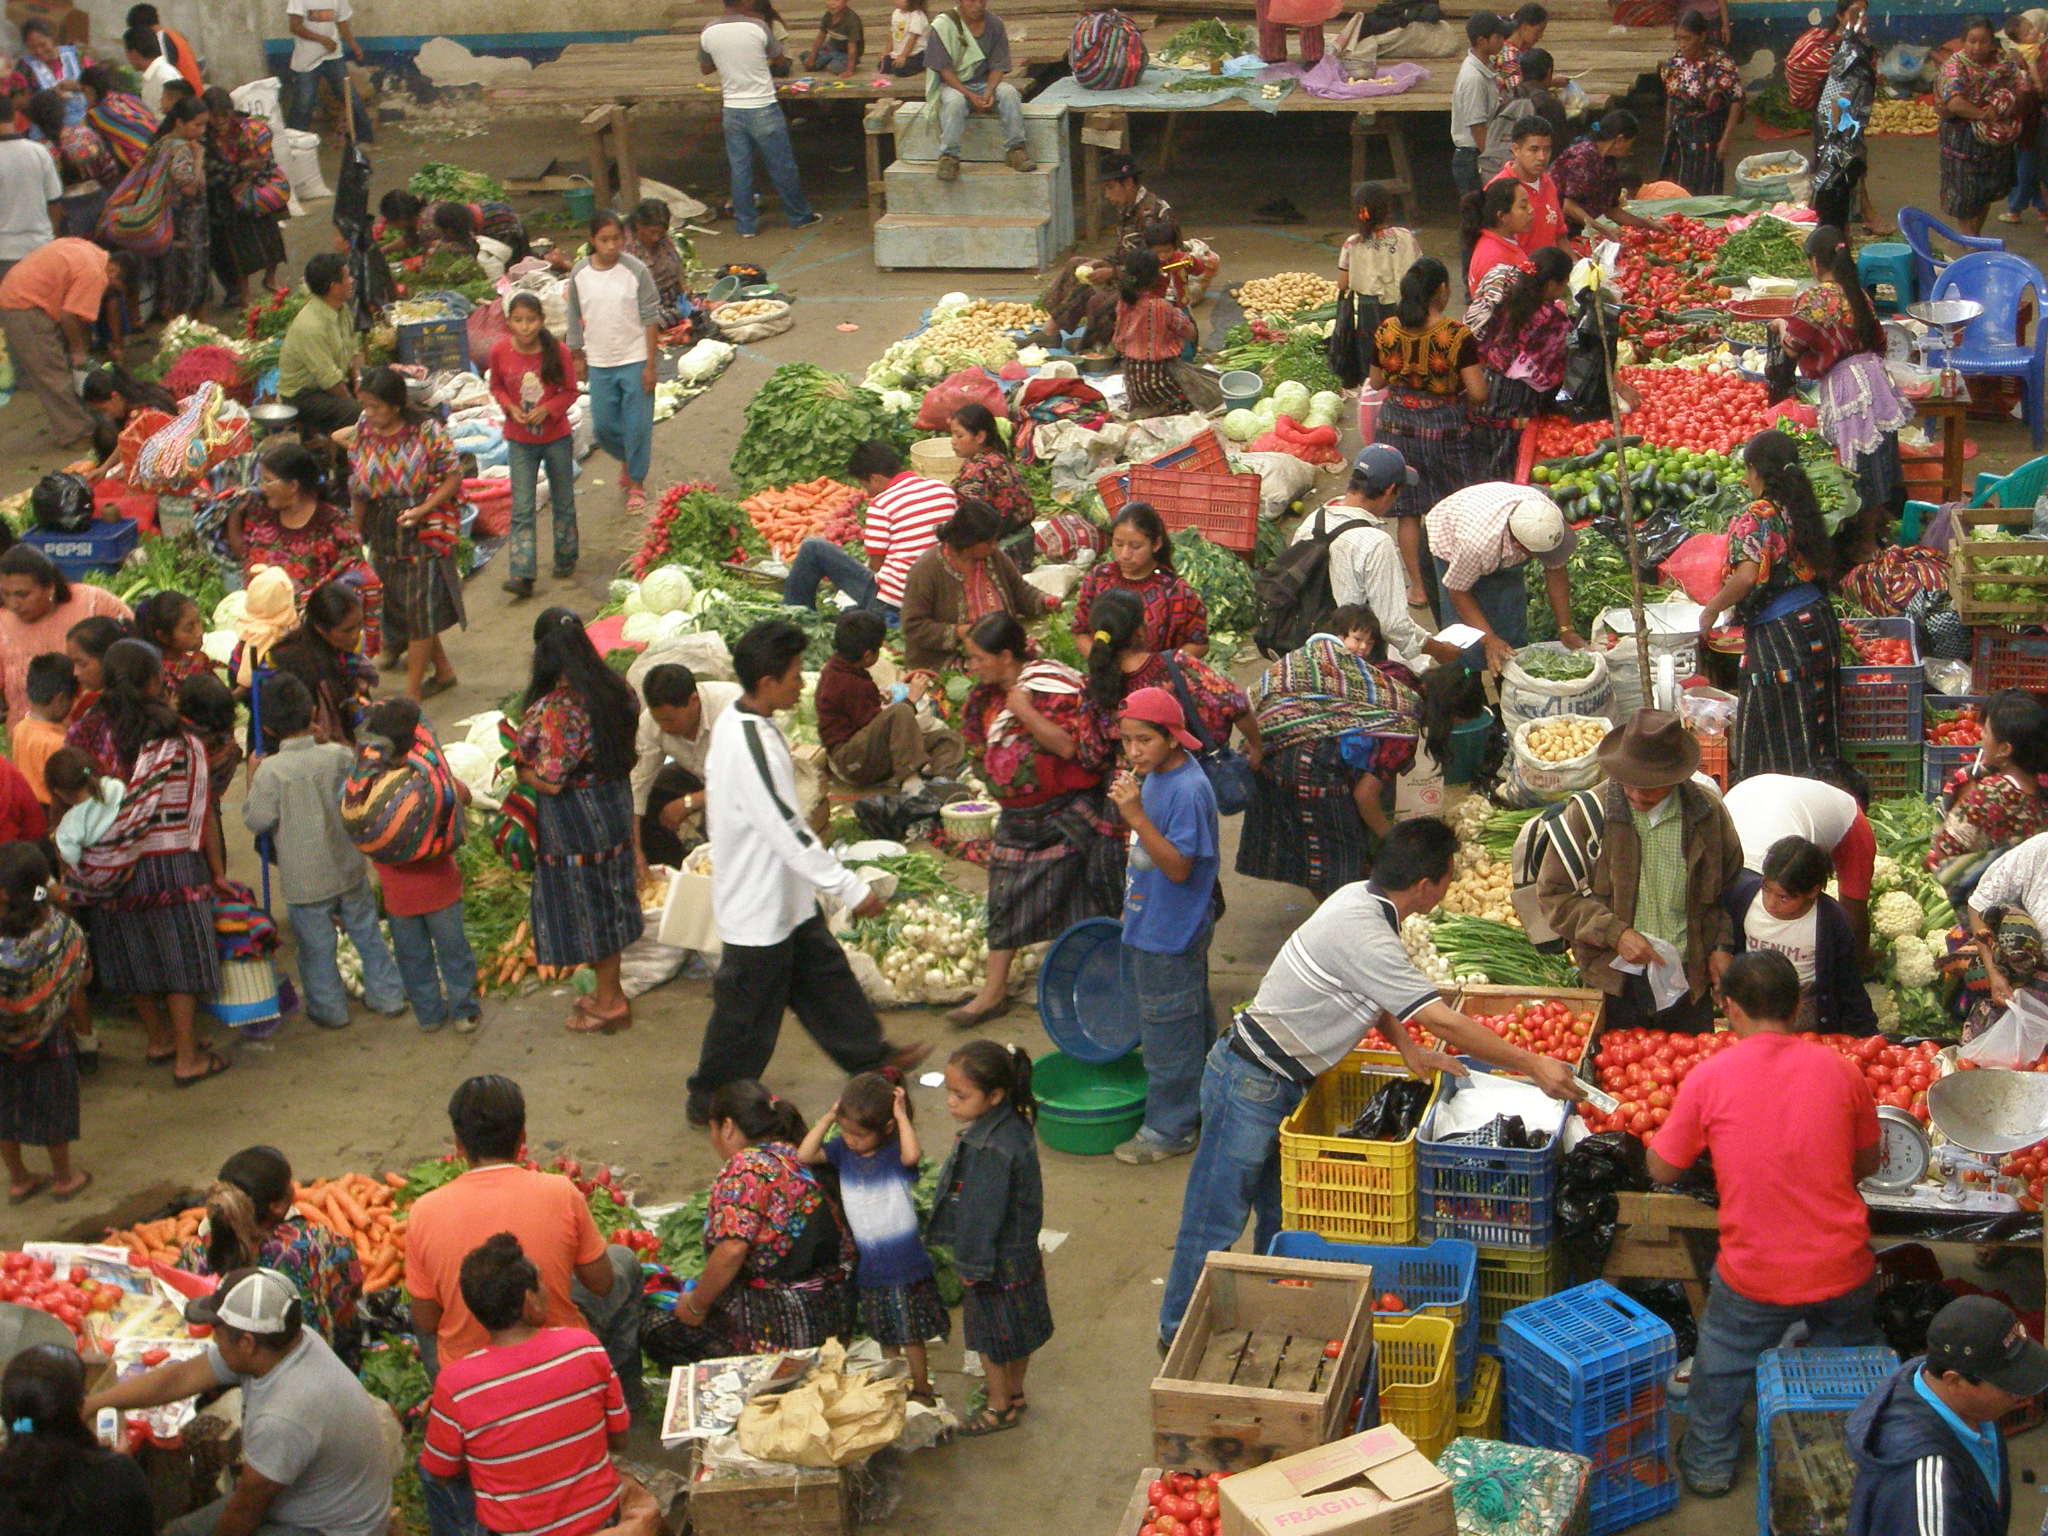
[1529, 163]
[904, 514]
[49, 302]
[1791, 1127]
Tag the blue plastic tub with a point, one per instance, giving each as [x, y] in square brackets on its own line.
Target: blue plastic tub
[1813, 1381]
[1081, 996]
[1499, 1197]
[1439, 1278]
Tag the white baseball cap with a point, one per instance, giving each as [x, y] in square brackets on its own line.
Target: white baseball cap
[1537, 523]
[252, 1300]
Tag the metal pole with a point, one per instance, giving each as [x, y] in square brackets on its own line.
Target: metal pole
[1628, 494]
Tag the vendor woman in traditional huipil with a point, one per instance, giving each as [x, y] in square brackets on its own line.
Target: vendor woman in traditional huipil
[1083, 297]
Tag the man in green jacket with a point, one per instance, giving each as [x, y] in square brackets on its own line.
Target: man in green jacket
[316, 369]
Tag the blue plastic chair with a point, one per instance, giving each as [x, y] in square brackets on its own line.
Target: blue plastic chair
[1990, 343]
[1917, 226]
[2020, 487]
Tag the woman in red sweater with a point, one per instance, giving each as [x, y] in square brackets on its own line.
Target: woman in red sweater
[533, 378]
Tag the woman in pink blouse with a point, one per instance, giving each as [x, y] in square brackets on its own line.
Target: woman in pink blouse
[40, 606]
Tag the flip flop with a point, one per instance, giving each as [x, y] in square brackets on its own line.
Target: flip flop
[62, 1196]
[215, 1065]
[160, 1061]
[585, 1020]
[36, 1186]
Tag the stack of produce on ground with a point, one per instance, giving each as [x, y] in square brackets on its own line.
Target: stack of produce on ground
[365, 1209]
[1567, 737]
[963, 333]
[1286, 293]
[695, 525]
[929, 948]
[1643, 1068]
[824, 508]
[1681, 408]
[804, 423]
[1912, 115]
[1279, 352]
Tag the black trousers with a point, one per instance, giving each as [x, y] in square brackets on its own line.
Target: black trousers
[1636, 1008]
[656, 841]
[325, 411]
[808, 972]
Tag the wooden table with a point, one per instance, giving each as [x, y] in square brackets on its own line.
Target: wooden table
[1950, 413]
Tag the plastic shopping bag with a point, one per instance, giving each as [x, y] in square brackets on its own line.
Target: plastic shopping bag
[2017, 1039]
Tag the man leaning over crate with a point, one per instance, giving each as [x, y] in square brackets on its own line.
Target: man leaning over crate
[1341, 972]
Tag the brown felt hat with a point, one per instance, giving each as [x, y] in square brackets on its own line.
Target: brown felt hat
[1653, 750]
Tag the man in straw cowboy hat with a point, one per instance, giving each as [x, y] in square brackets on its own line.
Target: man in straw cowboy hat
[1661, 854]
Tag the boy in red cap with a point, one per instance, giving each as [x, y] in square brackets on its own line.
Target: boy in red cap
[1169, 913]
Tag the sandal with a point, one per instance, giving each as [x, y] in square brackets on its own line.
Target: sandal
[435, 686]
[215, 1065]
[36, 1185]
[989, 1422]
[970, 1018]
[63, 1195]
[160, 1061]
[636, 499]
[585, 1020]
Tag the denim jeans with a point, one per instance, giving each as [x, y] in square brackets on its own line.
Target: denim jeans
[203, 1521]
[1235, 1172]
[304, 90]
[763, 132]
[831, 59]
[1502, 595]
[527, 461]
[622, 417]
[439, 969]
[820, 560]
[1734, 1331]
[954, 112]
[1175, 1024]
[319, 976]
[1465, 170]
[451, 1505]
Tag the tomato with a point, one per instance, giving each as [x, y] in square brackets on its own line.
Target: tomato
[1155, 1492]
[1390, 1301]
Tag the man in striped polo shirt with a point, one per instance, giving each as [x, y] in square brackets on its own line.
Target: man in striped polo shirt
[520, 1434]
[1342, 972]
[904, 514]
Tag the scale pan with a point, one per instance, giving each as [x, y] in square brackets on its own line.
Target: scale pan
[1990, 1110]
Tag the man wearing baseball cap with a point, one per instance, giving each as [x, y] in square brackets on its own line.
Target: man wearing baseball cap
[1364, 561]
[1082, 299]
[1930, 1460]
[314, 1456]
[1481, 538]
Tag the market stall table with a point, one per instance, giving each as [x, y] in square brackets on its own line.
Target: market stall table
[1950, 412]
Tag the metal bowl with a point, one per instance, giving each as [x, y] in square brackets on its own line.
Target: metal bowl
[1945, 311]
[273, 416]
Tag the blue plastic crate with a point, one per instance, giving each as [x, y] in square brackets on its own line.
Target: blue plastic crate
[1809, 1380]
[1632, 1478]
[1500, 1197]
[96, 547]
[1587, 1358]
[1368, 1415]
[1441, 1278]
[1940, 763]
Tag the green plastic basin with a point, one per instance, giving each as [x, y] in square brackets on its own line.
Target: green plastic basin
[1085, 1108]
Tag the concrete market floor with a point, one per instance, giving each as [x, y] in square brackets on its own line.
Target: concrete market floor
[373, 1096]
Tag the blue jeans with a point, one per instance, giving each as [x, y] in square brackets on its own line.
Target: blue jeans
[439, 969]
[1465, 170]
[451, 1505]
[1503, 596]
[1734, 1331]
[527, 461]
[1175, 1023]
[820, 560]
[622, 417]
[1235, 1172]
[831, 59]
[305, 90]
[763, 132]
[954, 112]
[2027, 168]
[319, 976]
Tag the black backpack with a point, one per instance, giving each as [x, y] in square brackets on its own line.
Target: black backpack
[1293, 592]
[1552, 828]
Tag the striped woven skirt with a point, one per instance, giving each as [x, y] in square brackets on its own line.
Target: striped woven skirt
[759, 1318]
[1434, 436]
[585, 905]
[1691, 154]
[39, 1096]
[1052, 865]
[1786, 720]
[1149, 385]
[157, 936]
[1303, 827]
[1974, 175]
[904, 1314]
[1007, 1322]
[422, 591]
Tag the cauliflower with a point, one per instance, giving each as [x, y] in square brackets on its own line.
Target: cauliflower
[1937, 941]
[1896, 915]
[1884, 875]
[1912, 961]
[1887, 1012]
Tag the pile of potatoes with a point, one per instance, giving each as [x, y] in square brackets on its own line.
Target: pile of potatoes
[1286, 292]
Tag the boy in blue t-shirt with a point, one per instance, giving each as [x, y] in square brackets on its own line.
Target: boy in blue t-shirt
[1169, 912]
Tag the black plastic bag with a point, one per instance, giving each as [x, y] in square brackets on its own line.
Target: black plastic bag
[1583, 394]
[896, 818]
[1905, 1308]
[1342, 351]
[1391, 1113]
[1667, 1299]
[1507, 1132]
[62, 503]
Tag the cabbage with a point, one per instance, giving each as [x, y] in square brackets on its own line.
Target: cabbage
[1290, 398]
[219, 644]
[635, 601]
[1326, 400]
[641, 628]
[667, 589]
[228, 612]
[703, 360]
[1241, 425]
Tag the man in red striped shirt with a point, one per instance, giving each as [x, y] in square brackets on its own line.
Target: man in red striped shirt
[903, 517]
[520, 1434]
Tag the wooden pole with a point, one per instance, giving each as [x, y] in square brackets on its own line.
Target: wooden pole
[1622, 477]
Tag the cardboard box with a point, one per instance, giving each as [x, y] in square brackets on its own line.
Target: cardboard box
[1374, 1484]
[812, 1502]
[1247, 1379]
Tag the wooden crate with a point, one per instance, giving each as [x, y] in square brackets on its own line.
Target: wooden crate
[1966, 551]
[1134, 1512]
[813, 1502]
[1246, 1380]
[1487, 997]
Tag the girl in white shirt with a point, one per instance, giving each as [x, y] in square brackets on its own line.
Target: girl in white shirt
[614, 332]
[907, 27]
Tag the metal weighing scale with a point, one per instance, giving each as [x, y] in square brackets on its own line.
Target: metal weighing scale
[1946, 317]
[1982, 1115]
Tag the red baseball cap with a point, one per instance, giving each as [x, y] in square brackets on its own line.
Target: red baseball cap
[1156, 706]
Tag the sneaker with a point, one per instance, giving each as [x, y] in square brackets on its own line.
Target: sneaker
[1019, 159]
[1143, 1149]
[1697, 1486]
[949, 167]
[468, 1023]
[750, 234]
[433, 1028]
[2007, 216]
[807, 222]
[519, 586]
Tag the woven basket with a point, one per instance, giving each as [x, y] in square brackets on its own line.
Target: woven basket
[967, 820]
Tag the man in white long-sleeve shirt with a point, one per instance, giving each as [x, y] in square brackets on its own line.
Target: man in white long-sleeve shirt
[767, 870]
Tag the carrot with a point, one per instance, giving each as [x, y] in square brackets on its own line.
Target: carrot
[395, 1180]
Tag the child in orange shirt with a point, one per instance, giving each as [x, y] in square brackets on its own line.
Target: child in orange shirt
[52, 689]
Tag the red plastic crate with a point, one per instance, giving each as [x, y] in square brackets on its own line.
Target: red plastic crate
[1223, 508]
[2007, 659]
[1714, 756]
[1203, 452]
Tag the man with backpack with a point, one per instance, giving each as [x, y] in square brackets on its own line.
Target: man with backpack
[1343, 555]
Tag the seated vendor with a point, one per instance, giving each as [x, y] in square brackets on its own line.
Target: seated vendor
[647, 237]
[414, 221]
[1786, 910]
[959, 580]
[1082, 299]
[318, 363]
[669, 748]
[872, 741]
[778, 1270]
[2001, 942]
[116, 396]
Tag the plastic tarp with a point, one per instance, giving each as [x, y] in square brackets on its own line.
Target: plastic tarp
[1151, 90]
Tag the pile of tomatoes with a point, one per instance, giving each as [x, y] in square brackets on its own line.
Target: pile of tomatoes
[1643, 1068]
[1548, 1028]
[1681, 408]
[1961, 728]
[1182, 1504]
[1875, 650]
[70, 1297]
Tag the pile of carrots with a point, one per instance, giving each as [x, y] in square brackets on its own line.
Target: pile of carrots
[512, 963]
[821, 507]
[355, 1206]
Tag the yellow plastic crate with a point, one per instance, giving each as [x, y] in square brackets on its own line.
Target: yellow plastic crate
[1511, 1277]
[1338, 1186]
[1419, 1379]
[1479, 1413]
